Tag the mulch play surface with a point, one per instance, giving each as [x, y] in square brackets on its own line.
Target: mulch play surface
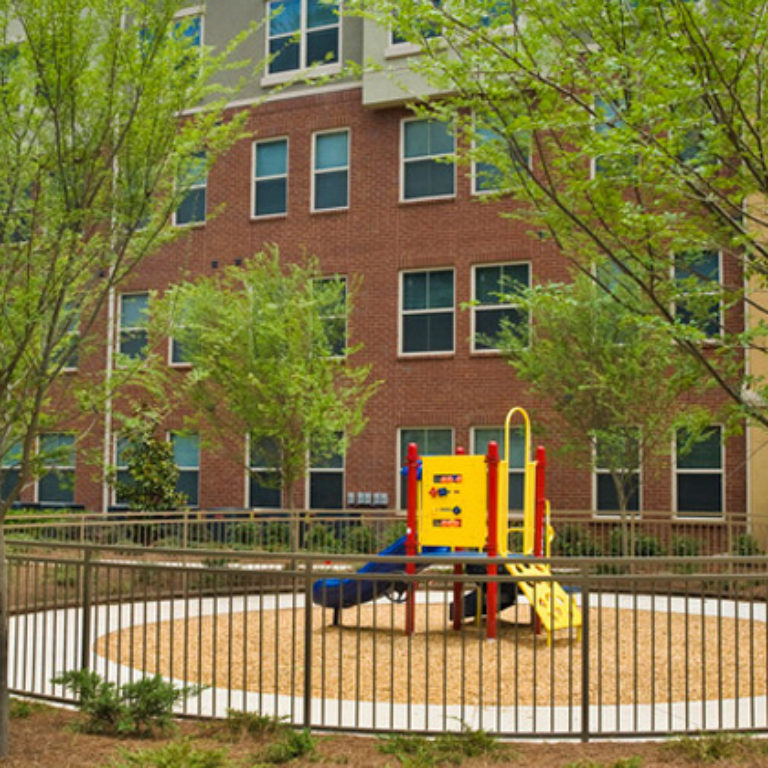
[46, 739]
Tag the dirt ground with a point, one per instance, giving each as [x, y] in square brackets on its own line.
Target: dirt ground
[45, 738]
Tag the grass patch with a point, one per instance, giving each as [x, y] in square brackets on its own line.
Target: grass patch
[20, 709]
[447, 749]
[622, 762]
[290, 745]
[717, 746]
[175, 754]
[252, 724]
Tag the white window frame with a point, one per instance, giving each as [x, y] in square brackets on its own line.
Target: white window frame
[313, 70]
[476, 177]
[255, 179]
[188, 468]
[120, 328]
[118, 468]
[517, 470]
[597, 470]
[312, 470]
[315, 172]
[192, 188]
[249, 469]
[481, 307]
[420, 158]
[400, 460]
[720, 314]
[402, 313]
[48, 468]
[677, 471]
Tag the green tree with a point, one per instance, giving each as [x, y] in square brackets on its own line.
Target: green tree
[267, 344]
[632, 134]
[613, 378]
[149, 483]
[97, 137]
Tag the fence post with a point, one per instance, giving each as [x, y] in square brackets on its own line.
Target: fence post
[308, 642]
[584, 654]
[87, 599]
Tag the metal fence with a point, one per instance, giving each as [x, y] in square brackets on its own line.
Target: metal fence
[667, 645]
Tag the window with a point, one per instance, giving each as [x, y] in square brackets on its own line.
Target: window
[608, 120]
[481, 436]
[264, 474]
[326, 481]
[493, 285]
[424, 28]
[487, 177]
[180, 351]
[697, 274]
[67, 348]
[133, 337]
[186, 456]
[606, 497]
[301, 34]
[270, 177]
[427, 311]
[330, 185]
[428, 168]
[334, 315]
[189, 28]
[191, 210]
[122, 475]
[10, 466]
[57, 485]
[699, 474]
[430, 441]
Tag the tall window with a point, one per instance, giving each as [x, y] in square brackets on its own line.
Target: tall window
[10, 466]
[263, 474]
[122, 475]
[270, 177]
[494, 287]
[606, 497]
[697, 274]
[133, 337]
[487, 177]
[194, 179]
[186, 456]
[326, 481]
[189, 28]
[699, 474]
[334, 315]
[610, 119]
[427, 311]
[428, 170]
[330, 183]
[431, 441]
[302, 34]
[481, 436]
[57, 485]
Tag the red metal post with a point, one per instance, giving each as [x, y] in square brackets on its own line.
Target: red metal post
[541, 501]
[458, 587]
[410, 536]
[492, 459]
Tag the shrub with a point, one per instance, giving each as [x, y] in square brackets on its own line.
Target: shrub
[358, 539]
[175, 754]
[138, 708]
[252, 723]
[291, 745]
[319, 538]
[277, 536]
[645, 545]
[575, 541]
[746, 545]
[685, 546]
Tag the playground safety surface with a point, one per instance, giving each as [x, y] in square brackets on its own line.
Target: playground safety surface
[370, 658]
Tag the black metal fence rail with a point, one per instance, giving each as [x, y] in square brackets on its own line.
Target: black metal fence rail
[676, 646]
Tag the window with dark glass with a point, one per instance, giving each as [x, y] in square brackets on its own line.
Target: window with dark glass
[427, 311]
[431, 441]
[481, 436]
[133, 335]
[334, 313]
[606, 496]
[10, 466]
[264, 474]
[428, 168]
[302, 34]
[699, 474]
[697, 274]
[194, 179]
[186, 456]
[270, 173]
[330, 188]
[495, 286]
[57, 484]
[326, 481]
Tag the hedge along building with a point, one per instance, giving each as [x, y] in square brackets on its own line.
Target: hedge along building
[342, 169]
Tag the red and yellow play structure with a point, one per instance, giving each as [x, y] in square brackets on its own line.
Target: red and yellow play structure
[459, 503]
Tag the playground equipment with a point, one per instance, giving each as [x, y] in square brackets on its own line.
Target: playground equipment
[459, 504]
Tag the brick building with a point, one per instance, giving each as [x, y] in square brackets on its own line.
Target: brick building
[341, 169]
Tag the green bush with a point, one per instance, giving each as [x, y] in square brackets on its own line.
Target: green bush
[574, 540]
[746, 545]
[645, 545]
[685, 546]
[320, 538]
[138, 708]
[277, 536]
[358, 539]
[251, 724]
[289, 746]
[175, 754]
